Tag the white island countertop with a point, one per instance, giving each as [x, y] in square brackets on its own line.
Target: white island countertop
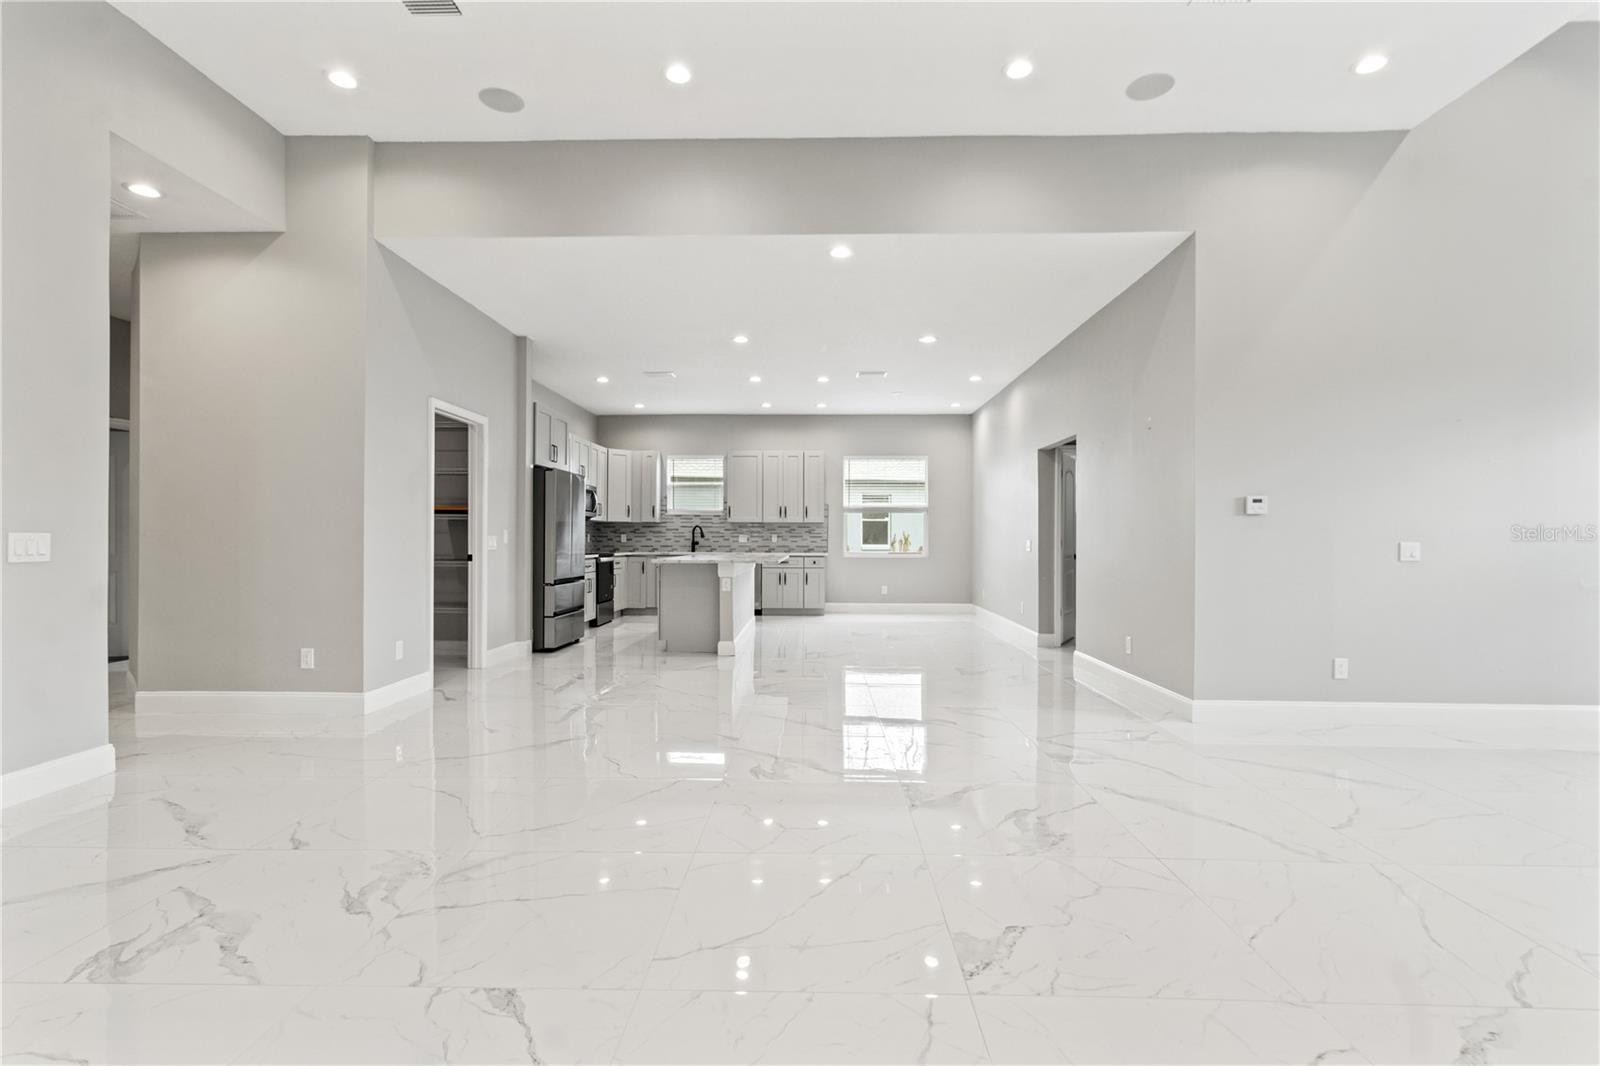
[762, 558]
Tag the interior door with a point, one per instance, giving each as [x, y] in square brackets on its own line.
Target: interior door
[1068, 607]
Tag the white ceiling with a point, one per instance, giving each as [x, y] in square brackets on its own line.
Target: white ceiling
[594, 70]
[620, 306]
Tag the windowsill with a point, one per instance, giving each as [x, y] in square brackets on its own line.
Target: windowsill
[693, 514]
[885, 555]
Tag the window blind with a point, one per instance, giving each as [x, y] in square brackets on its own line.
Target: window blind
[886, 481]
[694, 483]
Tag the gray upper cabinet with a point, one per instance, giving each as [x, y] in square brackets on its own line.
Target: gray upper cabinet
[549, 439]
[646, 486]
[619, 485]
[782, 486]
[741, 477]
[813, 506]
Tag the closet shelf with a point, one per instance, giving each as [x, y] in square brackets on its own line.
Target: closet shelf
[449, 608]
[451, 562]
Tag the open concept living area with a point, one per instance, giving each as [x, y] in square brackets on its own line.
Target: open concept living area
[809, 532]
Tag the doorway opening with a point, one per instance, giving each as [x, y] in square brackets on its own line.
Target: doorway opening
[457, 524]
[1066, 546]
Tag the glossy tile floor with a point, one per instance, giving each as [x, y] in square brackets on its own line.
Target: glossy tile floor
[881, 839]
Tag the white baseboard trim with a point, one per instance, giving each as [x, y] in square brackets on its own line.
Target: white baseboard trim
[251, 702]
[1130, 690]
[1292, 714]
[1006, 627]
[379, 698]
[20, 786]
[505, 653]
[897, 608]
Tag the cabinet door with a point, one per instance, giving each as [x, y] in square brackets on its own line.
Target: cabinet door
[793, 486]
[811, 588]
[619, 486]
[772, 486]
[647, 487]
[598, 462]
[542, 455]
[574, 454]
[771, 588]
[812, 507]
[558, 442]
[741, 477]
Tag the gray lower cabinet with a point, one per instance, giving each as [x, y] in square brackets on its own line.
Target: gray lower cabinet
[798, 585]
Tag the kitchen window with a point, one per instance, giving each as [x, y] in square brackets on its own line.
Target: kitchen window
[694, 484]
[886, 506]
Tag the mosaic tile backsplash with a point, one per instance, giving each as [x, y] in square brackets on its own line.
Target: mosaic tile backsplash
[671, 534]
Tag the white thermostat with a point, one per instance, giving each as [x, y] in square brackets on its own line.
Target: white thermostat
[1255, 505]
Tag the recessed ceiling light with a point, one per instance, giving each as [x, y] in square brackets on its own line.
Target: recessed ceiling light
[741, 339]
[343, 79]
[679, 74]
[143, 188]
[602, 379]
[930, 961]
[755, 379]
[1149, 86]
[767, 404]
[841, 251]
[822, 405]
[1371, 63]
[955, 403]
[976, 377]
[502, 100]
[1019, 68]
[822, 379]
[639, 407]
[928, 338]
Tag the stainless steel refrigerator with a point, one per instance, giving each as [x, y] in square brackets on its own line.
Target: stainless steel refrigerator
[557, 558]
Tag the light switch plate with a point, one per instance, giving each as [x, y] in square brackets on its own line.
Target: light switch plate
[28, 548]
[1341, 669]
[1411, 551]
[1255, 505]
[308, 658]
[494, 542]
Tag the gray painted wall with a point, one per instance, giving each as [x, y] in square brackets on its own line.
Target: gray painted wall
[944, 576]
[252, 378]
[102, 75]
[425, 342]
[1123, 385]
[1301, 240]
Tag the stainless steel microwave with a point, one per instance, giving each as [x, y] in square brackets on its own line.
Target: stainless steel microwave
[591, 502]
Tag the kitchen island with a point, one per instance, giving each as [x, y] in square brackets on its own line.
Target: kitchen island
[706, 602]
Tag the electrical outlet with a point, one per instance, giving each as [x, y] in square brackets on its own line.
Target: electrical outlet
[774, 538]
[624, 538]
[505, 536]
[493, 542]
[308, 658]
[399, 650]
[884, 590]
[1341, 669]
[744, 538]
[1127, 645]
[1027, 545]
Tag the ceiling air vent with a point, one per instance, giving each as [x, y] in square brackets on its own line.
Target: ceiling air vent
[432, 7]
[872, 374]
[121, 209]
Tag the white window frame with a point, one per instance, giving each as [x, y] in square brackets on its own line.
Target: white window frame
[926, 511]
[723, 459]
